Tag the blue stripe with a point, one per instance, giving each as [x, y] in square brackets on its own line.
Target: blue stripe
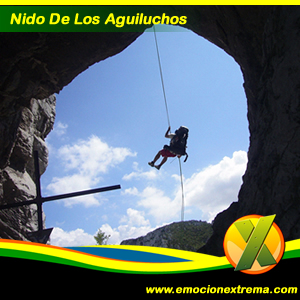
[129, 255]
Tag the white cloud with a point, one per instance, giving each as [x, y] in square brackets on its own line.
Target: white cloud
[132, 225]
[139, 174]
[135, 217]
[87, 160]
[73, 238]
[59, 131]
[92, 156]
[156, 203]
[216, 187]
[76, 182]
[209, 191]
[131, 191]
[160, 206]
[60, 128]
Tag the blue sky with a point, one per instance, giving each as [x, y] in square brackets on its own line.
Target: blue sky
[111, 120]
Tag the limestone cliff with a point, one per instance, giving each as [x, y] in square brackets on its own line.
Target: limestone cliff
[33, 123]
[263, 40]
[188, 235]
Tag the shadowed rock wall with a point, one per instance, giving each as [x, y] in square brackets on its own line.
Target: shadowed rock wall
[17, 184]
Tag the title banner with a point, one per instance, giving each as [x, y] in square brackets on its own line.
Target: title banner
[86, 18]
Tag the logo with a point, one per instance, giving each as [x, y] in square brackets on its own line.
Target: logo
[254, 244]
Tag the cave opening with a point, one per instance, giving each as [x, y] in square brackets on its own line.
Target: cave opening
[111, 121]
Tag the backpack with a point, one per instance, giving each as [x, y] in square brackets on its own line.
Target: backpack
[178, 142]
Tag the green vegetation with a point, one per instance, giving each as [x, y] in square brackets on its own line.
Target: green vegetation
[190, 235]
[101, 238]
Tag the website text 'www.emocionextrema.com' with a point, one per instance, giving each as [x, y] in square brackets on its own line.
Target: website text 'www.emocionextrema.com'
[221, 290]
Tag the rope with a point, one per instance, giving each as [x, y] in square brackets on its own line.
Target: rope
[182, 192]
[161, 77]
[168, 117]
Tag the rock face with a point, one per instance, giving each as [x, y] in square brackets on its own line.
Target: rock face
[263, 40]
[17, 177]
[271, 182]
[189, 235]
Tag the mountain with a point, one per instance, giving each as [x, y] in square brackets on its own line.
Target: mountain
[188, 235]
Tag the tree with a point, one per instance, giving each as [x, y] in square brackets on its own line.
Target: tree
[101, 238]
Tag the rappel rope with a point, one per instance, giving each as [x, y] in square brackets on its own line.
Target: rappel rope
[182, 192]
[161, 77]
[168, 117]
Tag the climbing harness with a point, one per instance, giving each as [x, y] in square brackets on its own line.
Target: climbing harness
[180, 149]
[178, 142]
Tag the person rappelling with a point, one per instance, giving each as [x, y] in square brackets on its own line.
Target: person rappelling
[177, 146]
[178, 141]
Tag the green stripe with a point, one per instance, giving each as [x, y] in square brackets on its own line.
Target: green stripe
[53, 259]
[58, 260]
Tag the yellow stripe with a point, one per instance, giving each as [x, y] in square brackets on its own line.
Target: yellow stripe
[198, 261]
[292, 245]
